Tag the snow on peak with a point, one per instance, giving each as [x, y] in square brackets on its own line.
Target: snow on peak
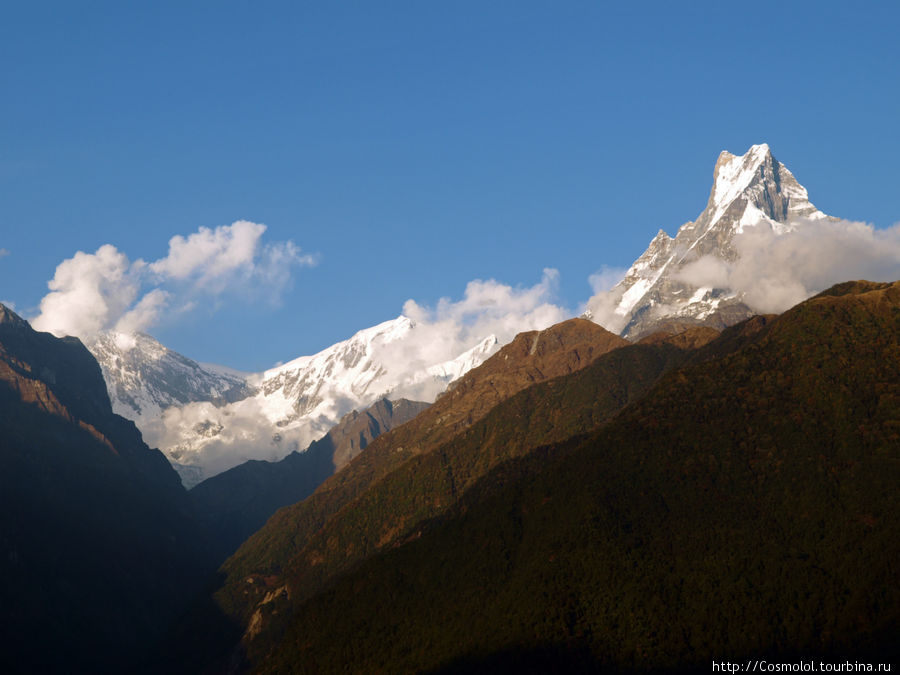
[660, 237]
[733, 174]
[206, 419]
[678, 278]
[456, 368]
[385, 332]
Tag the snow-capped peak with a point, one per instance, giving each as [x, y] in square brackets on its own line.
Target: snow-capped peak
[144, 377]
[749, 191]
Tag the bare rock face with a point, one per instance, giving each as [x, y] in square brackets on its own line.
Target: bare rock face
[752, 190]
[356, 430]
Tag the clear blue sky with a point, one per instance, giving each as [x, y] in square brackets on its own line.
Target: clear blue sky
[415, 146]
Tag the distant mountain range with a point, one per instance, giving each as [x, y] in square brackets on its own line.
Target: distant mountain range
[207, 419]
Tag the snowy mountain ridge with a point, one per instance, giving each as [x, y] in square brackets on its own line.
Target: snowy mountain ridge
[144, 377]
[208, 418]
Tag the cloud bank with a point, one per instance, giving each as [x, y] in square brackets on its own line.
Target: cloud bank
[101, 291]
[489, 307]
[450, 328]
[775, 272]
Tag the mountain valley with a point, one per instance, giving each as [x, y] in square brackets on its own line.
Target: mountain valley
[207, 419]
[681, 474]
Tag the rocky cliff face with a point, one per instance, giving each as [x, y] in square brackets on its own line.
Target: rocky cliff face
[750, 191]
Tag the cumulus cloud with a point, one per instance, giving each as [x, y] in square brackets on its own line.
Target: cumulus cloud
[775, 272]
[94, 292]
[144, 314]
[89, 293]
[213, 259]
[450, 328]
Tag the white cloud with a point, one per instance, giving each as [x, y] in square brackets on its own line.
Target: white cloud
[243, 431]
[605, 278]
[144, 314]
[602, 307]
[94, 292]
[775, 272]
[89, 293]
[450, 328]
[209, 254]
[4, 252]
[213, 259]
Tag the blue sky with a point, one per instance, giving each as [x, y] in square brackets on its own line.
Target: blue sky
[411, 147]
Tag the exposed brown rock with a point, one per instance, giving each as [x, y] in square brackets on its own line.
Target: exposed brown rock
[357, 429]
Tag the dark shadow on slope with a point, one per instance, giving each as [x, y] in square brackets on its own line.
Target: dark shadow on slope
[204, 641]
[525, 660]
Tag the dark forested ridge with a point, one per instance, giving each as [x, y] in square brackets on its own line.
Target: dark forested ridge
[99, 550]
[744, 506]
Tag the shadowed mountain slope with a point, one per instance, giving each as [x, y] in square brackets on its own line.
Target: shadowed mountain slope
[98, 546]
[234, 504]
[745, 507]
